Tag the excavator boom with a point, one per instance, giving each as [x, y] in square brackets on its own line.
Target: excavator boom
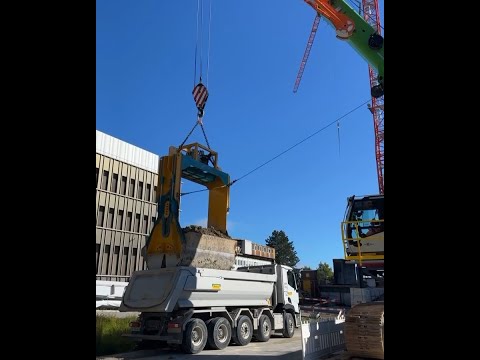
[350, 26]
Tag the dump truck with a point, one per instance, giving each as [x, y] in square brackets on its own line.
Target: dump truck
[194, 307]
[196, 291]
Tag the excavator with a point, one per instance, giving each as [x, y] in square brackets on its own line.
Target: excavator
[363, 225]
[363, 240]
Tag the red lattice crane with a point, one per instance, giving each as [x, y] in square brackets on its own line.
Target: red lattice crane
[307, 53]
[372, 16]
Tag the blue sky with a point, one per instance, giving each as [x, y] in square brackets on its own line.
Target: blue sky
[145, 76]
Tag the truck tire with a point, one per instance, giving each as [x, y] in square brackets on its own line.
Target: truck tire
[288, 326]
[264, 329]
[195, 336]
[242, 334]
[219, 333]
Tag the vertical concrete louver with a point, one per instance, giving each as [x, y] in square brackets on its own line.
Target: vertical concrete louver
[126, 180]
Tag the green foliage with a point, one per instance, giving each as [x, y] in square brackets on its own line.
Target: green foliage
[285, 253]
[324, 273]
[109, 335]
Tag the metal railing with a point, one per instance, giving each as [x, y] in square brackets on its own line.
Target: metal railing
[357, 237]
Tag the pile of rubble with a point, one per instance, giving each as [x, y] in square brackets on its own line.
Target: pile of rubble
[205, 231]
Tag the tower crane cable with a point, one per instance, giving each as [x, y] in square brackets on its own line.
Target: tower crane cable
[201, 41]
[196, 46]
[209, 36]
[336, 121]
[338, 136]
[200, 92]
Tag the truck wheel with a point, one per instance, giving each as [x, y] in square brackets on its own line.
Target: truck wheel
[264, 328]
[242, 334]
[195, 336]
[219, 333]
[288, 326]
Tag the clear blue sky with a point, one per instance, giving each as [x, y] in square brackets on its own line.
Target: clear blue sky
[145, 76]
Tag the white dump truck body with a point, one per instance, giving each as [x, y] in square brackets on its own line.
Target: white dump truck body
[160, 290]
[190, 306]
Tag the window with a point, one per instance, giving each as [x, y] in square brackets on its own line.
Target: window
[106, 260]
[123, 185]
[113, 188]
[368, 215]
[154, 196]
[105, 180]
[96, 173]
[101, 214]
[132, 188]
[140, 189]
[110, 218]
[137, 223]
[291, 279]
[147, 192]
[97, 255]
[152, 223]
[134, 255]
[145, 224]
[116, 251]
[119, 220]
[129, 221]
[125, 260]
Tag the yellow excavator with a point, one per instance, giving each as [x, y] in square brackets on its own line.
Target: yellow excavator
[363, 241]
[363, 225]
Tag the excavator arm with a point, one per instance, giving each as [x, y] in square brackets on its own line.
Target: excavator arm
[167, 246]
[351, 27]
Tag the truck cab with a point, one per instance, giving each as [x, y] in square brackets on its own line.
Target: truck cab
[289, 288]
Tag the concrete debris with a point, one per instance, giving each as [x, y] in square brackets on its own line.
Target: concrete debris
[208, 251]
[205, 231]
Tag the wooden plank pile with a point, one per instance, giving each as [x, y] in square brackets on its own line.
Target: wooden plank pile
[364, 331]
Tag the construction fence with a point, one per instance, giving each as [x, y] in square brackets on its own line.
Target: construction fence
[323, 337]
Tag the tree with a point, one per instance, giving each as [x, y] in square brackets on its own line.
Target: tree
[324, 273]
[306, 268]
[285, 253]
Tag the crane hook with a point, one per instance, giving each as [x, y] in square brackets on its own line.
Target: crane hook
[200, 96]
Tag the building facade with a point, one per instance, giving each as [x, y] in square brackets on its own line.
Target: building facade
[126, 182]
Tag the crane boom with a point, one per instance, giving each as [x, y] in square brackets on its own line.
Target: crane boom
[307, 52]
[352, 27]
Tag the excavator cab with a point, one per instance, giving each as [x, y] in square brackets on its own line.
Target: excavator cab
[363, 229]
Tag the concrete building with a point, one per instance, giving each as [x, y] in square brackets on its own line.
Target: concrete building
[126, 181]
